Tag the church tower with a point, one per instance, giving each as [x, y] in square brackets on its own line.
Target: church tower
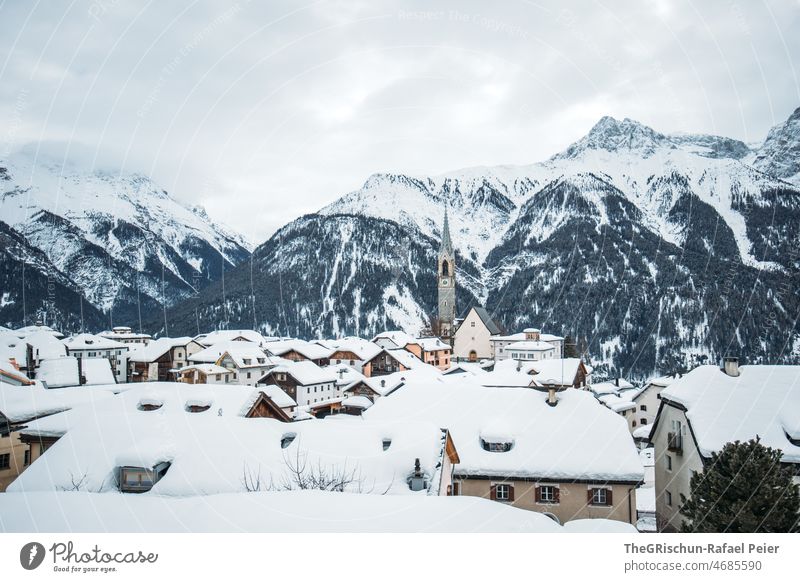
[447, 284]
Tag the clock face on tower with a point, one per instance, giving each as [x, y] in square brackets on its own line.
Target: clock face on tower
[445, 281]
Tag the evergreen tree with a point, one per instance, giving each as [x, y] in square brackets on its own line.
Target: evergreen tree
[744, 489]
[570, 346]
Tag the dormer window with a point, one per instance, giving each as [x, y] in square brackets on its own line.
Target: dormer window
[496, 447]
[141, 479]
[247, 361]
[149, 404]
[387, 443]
[287, 439]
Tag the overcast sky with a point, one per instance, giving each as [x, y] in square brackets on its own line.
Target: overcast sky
[263, 113]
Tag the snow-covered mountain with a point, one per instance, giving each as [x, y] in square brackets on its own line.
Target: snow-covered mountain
[655, 248]
[121, 241]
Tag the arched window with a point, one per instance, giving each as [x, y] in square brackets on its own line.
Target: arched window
[473, 356]
[445, 269]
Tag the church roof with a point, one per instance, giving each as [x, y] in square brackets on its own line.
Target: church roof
[487, 320]
[447, 244]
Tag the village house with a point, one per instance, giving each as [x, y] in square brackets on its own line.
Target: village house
[86, 346]
[298, 350]
[23, 404]
[711, 406]
[247, 362]
[561, 373]
[535, 345]
[389, 361]
[205, 374]
[126, 335]
[551, 451]
[432, 351]
[364, 393]
[159, 360]
[232, 335]
[353, 351]
[190, 429]
[305, 382]
[472, 340]
[391, 340]
[27, 350]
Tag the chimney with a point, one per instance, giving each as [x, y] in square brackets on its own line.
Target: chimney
[730, 366]
[616, 382]
[551, 396]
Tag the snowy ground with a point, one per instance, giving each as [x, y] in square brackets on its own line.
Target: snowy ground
[295, 511]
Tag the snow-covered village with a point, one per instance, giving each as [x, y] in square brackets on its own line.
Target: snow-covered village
[486, 429]
[409, 268]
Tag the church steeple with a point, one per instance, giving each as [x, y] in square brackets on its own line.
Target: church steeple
[446, 278]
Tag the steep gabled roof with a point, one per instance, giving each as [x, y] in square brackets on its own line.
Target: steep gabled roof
[487, 320]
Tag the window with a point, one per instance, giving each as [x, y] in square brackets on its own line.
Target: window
[248, 375]
[547, 494]
[5, 461]
[643, 422]
[668, 461]
[668, 497]
[496, 447]
[456, 488]
[472, 324]
[633, 423]
[643, 408]
[27, 459]
[599, 496]
[503, 492]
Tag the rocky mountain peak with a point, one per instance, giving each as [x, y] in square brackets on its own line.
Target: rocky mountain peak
[780, 153]
[612, 135]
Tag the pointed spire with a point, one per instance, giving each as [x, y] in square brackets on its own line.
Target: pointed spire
[446, 245]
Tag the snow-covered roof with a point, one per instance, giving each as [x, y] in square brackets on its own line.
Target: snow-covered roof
[12, 347]
[487, 320]
[549, 337]
[22, 403]
[576, 439]
[156, 348]
[278, 396]
[560, 371]
[248, 355]
[212, 454]
[407, 359]
[226, 335]
[45, 345]
[29, 329]
[306, 372]
[531, 346]
[762, 401]
[119, 333]
[616, 403]
[205, 369]
[97, 371]
[364, 349]
[172, 397]
[400, 338]
[357, 402]
[432, 344]
[514, 337]
[61, 372]
[88, 341]
[345, 375]
[277, 511]
[312, 351]
[472, 368]
[642, 432]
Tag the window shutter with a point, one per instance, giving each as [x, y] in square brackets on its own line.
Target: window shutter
[511, 493]
[556, 495]
[493, 492]
[609, 501]
[590, 496]
[538, 495]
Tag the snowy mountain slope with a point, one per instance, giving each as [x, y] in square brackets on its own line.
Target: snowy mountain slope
[655, 248]
[33, 289]
[125, 243]
[780, 154]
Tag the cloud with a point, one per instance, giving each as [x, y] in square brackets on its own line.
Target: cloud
[265, 111]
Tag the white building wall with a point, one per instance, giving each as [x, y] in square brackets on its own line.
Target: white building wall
[471, 335]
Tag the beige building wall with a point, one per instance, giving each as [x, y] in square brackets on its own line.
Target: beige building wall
[469, 338]
[673, 483]
[572, 499]
[11, 445]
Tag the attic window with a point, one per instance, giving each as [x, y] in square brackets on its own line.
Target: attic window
[141, 479]
[287, 439]
[197, 407]
[149, 404]
[387, 443]
[496, 446]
